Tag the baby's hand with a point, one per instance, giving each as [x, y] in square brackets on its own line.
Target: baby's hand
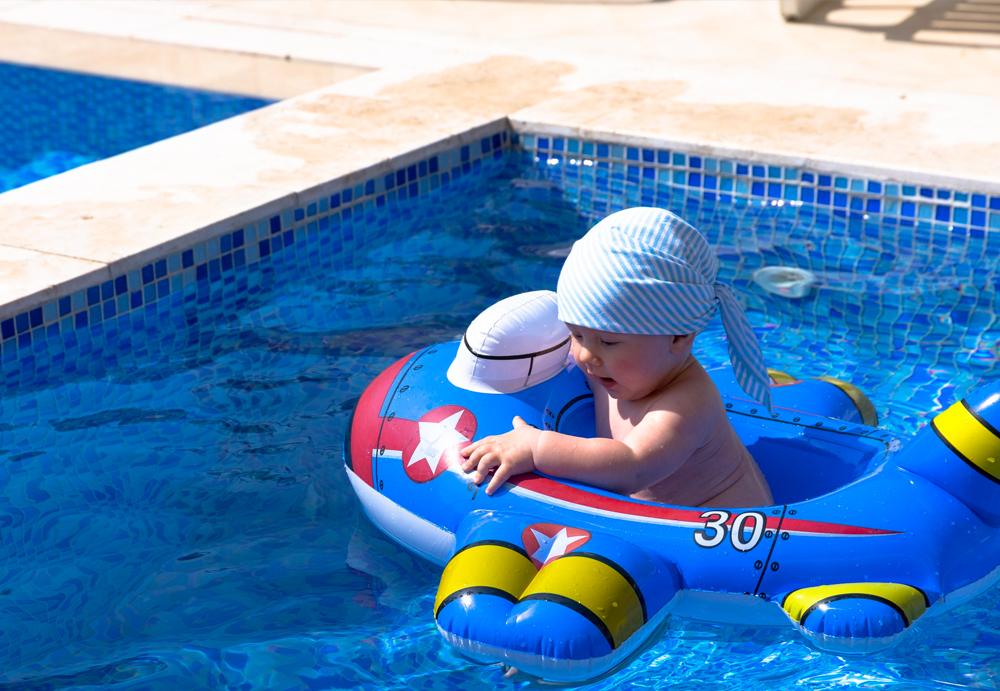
[511, 454]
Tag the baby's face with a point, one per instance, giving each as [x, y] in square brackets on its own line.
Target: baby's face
[629, 366]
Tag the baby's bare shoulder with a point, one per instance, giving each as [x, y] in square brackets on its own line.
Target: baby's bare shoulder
[693, 393]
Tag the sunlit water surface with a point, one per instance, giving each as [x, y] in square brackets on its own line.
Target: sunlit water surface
[52, 121]
[174, 511]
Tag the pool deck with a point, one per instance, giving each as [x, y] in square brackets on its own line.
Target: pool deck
[887, 86]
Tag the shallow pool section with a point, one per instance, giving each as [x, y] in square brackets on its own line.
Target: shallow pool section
[54, 120]
[174, 512]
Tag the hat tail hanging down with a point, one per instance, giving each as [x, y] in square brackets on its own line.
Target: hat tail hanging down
[646, 271]
[744, 350]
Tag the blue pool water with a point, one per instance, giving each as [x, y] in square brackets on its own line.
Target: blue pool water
[174, 513]
[53, 120]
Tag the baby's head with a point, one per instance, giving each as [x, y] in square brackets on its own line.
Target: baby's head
[645, 271]
[640, 271]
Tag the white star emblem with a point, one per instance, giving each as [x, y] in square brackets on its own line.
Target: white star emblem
[555, 546]
[435, 438]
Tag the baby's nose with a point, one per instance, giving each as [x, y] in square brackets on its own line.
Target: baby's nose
[582, 355]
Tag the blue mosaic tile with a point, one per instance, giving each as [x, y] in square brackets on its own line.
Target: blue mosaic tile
[95, 118]
[845, 196]
[603, 174]
[227, 260]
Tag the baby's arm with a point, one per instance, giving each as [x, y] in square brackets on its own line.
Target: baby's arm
[657, 446]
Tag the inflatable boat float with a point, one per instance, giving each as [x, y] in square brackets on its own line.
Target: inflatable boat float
[870, 531]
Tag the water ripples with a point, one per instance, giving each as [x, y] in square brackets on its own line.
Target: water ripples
[176, 515]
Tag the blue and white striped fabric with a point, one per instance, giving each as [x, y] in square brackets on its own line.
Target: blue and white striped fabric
[646, 271]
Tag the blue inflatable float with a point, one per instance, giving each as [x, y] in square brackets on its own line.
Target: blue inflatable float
[870, 530]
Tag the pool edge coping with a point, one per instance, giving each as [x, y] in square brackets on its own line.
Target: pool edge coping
[290, 199]
[516, 127]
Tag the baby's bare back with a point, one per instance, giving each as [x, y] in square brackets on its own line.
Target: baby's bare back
[727, 477]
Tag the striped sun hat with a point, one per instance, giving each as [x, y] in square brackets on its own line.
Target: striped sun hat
[646, 271]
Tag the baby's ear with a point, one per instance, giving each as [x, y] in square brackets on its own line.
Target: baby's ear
[682, 344]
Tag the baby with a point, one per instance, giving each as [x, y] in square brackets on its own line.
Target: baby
[634, 292]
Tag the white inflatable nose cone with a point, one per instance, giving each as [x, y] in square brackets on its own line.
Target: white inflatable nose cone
[786, 281]
[514, 344]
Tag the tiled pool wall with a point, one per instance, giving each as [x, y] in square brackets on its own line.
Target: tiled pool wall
[898, 224]
[600, 175]
[905, 267]
[600, 170]
[226, 268]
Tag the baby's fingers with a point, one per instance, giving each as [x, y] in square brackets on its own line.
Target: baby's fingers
[469, 463]
[473, 452]
[467, 451]
[485, 464]
[475, 458]
[500, 476]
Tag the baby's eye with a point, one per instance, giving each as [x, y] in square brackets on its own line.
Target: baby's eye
[608, 344]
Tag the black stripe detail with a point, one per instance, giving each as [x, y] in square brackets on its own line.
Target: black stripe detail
[857, 596]
[621, 571]
[777, 532]
[465, 342]
[961, 455]
[579, 609]
[498, 543]
[979, 418]
[569, 405]
[857, 406]
[348, 461]
[388, 405]
[824, 428]
[927, 600]
[475, 590]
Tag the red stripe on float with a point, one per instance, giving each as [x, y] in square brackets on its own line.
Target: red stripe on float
[802, 527]
[557, 490]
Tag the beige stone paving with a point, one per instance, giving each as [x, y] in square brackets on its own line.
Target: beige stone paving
[890, 85]
[191, 67]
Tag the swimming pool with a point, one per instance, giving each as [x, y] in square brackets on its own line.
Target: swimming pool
[53, 121]
[174, 509]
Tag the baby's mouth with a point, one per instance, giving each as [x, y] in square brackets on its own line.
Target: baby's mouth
[605, 381]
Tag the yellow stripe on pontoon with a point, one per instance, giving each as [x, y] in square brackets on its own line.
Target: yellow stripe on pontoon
[596, 586]
[976, 443]
[869, 416]
[909, 600]
[779, 377]
[486, 565]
